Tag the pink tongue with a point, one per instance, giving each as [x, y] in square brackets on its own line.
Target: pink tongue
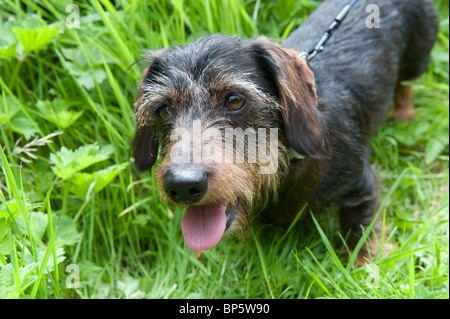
[203, 226]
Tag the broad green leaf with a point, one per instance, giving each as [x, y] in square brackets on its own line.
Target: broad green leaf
[411, 133]
[11, 209]
[80, 183]
[7, 288]
[433, 149]
[29, 259]
[7, 284]
[23, 125]
[7, 51]
[8, 42]
[58, 112]
[75, 54]
[67, 162]
[86, 76]
[32, 21]
[90, 77]
[39, 222]
[64, 118]
[105, 176]
[90, 272]
[34, 40]
[65, 231]
[130, 288]
[79, 58]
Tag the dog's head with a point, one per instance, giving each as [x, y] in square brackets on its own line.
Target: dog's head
[215, 109]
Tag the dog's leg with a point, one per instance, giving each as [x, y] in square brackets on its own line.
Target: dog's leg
[403, 103]
[358, 209]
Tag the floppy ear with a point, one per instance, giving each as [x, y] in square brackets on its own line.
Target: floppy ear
[145, 143]
[145, 148]
[294, 81]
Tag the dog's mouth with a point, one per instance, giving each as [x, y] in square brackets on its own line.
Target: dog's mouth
[203, 226]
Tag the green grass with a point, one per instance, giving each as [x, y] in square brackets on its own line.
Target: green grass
[76, 222]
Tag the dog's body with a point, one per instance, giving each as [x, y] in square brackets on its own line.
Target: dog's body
[327, 111]
[357, 77]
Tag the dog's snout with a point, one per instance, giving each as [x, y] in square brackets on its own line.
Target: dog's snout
[185, 184]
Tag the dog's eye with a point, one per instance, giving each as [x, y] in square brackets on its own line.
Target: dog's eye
[163, 113]
[234, 103]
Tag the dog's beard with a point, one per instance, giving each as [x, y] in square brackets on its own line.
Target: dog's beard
[236, 191]
[223, 210]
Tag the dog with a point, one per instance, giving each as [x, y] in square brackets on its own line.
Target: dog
[323, 114]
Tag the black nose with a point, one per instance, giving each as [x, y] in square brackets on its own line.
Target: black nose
[185, 184]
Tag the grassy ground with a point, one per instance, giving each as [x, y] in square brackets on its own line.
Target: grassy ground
[76, 222]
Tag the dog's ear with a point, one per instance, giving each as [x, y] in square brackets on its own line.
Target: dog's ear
[145, 143]
[145, 148]
[294, 81]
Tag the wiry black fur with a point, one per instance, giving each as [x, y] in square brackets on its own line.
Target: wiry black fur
[356, 77]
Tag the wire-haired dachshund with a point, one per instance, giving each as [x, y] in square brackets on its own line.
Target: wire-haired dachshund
[246, 127]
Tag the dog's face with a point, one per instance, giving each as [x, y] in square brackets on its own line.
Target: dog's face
[223, 114]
